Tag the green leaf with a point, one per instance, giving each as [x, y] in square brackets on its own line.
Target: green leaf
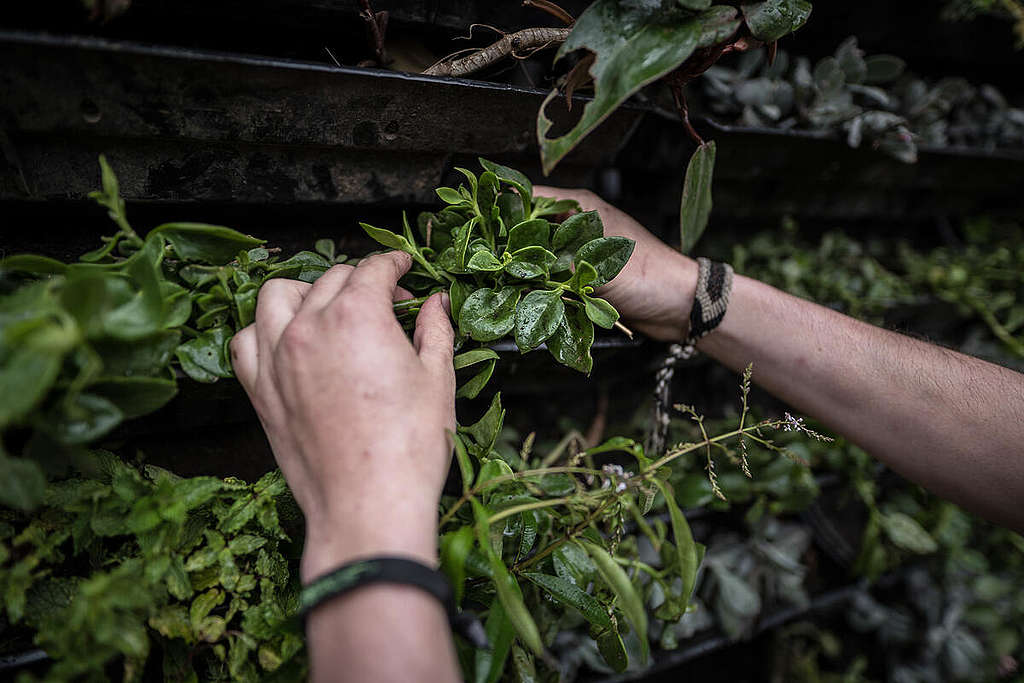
[85, 418]
[489, 664]
[686, 548]
[905, 532]
[532, 233]
[22, 483]
[771, 19]
[213, 244]
[506, 586]
[577, 230]
[206, 358]
[489, 314]
[492, 468]
[695, 206]
[569, 594]
[630, 601]
[633, 44]
[514, 178]
[458, 291]
[33, 263]
[600, 312]
[718, 24]
[325, 248]
[455, 546]
[473, 357]
[450, 196]
[510, 208]
[570, 343]
[530, 262]
[462, 458]
[305, 266]
[387, 238]
[537, 317]
[26, 375]
[485, 431]
[611, 647]
[608, 255]
[584, 276]
[472, 387]
[695, 5]
[484, 261]
[135, 396]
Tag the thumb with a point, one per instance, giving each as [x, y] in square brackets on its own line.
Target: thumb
[434, 338]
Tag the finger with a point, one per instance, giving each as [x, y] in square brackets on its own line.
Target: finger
[434, 339]
[327, 287]
[401, 294]
[374, 280]
[245, 356]
[278, 302]
[587, 199]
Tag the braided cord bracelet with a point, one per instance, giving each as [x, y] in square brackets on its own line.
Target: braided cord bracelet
[714, 285]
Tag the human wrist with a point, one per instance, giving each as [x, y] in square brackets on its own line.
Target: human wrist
[672, 282]
[339, 539]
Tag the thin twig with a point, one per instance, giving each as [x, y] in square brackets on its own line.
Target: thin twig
[520, 45]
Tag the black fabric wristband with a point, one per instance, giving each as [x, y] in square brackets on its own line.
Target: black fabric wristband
[391, 570]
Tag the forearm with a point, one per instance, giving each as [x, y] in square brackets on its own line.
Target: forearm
[952, 423]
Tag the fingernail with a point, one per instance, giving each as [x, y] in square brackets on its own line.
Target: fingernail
[446, 302]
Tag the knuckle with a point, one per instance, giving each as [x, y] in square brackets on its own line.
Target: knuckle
[297, 336]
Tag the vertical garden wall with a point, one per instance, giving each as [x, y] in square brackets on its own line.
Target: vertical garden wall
[293, 123]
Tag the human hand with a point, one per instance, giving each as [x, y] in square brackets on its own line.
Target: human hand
[654, 291]
[356, 415]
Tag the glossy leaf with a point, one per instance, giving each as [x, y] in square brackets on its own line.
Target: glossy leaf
[585, 275]
[206, 243]
[577, 230]
[532, 233]
[718, 24]
[85, 418]
[771, 19]
[206, 358]
[530, 262]
[633, 45]
[485, 430]
[570, 594]
[455, 546]
[462, 458]
[458, 291]
[473, 357]
[600, 312]
[570, 343]
[537, 317]
[607, 255]
[26, 375]
[472, 387]
[695, 205]
[484, 261]
[613, 650]
[489, 314]
[387, 238]
[629, 599]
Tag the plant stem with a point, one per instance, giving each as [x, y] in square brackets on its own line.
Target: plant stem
[525, 507]
[573, 533]
[511, 477]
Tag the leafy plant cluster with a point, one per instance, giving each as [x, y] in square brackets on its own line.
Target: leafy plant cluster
[629, 45]
[118, 569]
[135, 565]
[868, 100]
[87, 345]
[510, 267]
